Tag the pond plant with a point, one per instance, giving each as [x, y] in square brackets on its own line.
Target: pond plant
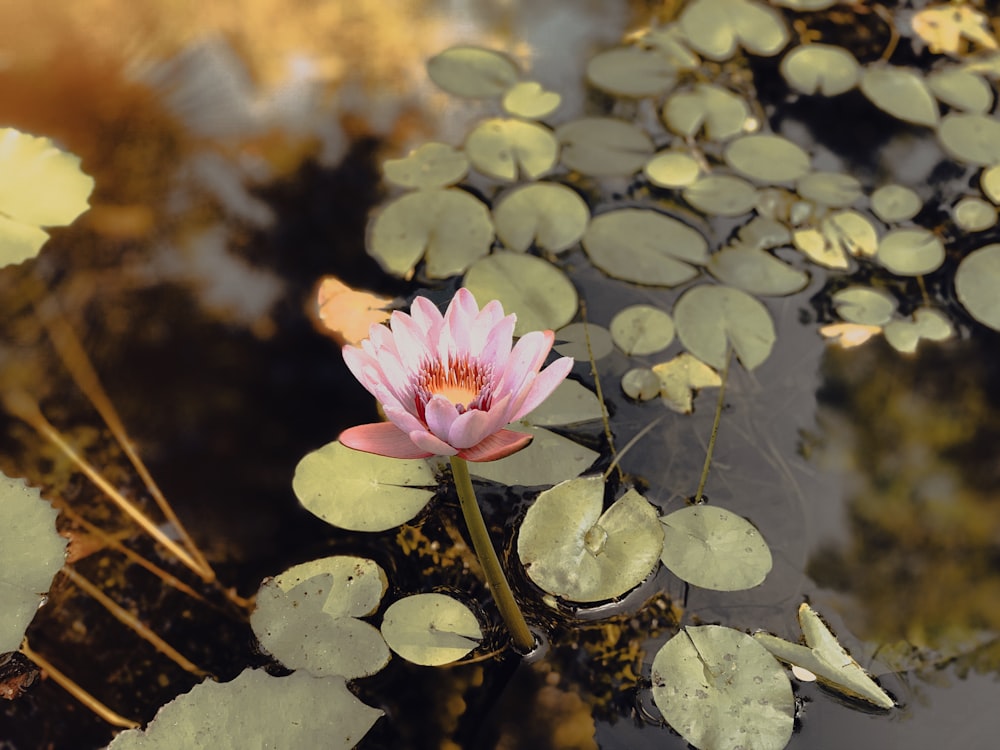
[678, 184]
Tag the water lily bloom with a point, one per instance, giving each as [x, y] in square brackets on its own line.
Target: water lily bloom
[450, 384]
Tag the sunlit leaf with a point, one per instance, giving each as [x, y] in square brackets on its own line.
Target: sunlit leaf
[431, 629]
[712, 319]
[535, 290]
[756, 271]
[570, 403]
[864, 305]
[642, 329]
[362, 491]
[976, 283]
[834, 189]
[672, 169]
[547, 214]
[641, 384]
[307, 616]
[18, 242]
[31, 553]
[852, 231]
[720, 689]
[972, 138]
[826, 658]
[821, 68]
[570, 549]
[432, 165]
[961, 89]
[583, 341]
[895, 203]
[473, 72]
[603, 146]
[911, 252]
[450, 226]
[504, 148]
[257, 710]
[631, 71]
[944, 27]
[670, 42]
[715, 28]
[548, 459]
[989, 181]
[927, 323]
[902, 93]
[719, 111]
[721, 195]
[713, 548]
[530, 100]
[645, 246]
[975, 214]
[348, 313]
[816, 246]
[849, 335]
[680, 377]
[767, 158]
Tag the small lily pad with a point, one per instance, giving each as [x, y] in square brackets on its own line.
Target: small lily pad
[712, 319]
[767, 158]
[821, 69]
[902, 93]
[756, 271]
[641, 384]
[905, 335]
[864, 305]
[975, 214]
[834, 189]
[503, 148]
[895, 203]
[721, 195]
[581, 341]
[715, 28]
[604, 146]
[547, 214]
[432, 165]
[431, 629]
[972, 138]
[530, 100]
[680, 377]
[632, 71]
[548, 459]
[642, 329]
[851, 231]
[976, 283]
[721, 113]
[362, 491]
[714, 549]
[573, 550]
[961, 89]
[672, 169]
[911, 252]
[989, 181]
[473, 72]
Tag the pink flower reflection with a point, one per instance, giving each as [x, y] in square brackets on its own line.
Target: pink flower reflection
[450, 384]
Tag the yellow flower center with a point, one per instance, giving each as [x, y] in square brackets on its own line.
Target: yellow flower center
[461, 381]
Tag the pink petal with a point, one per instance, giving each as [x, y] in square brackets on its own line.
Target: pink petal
[525, 359]
[464, 301]
[411, 342]
[542, 386]
[498, 445]
[434, 445]
[403, 419]
[426, 315]
[474, 425]
[363, 366]
[382, 438]
[496, 348]
[440, 414]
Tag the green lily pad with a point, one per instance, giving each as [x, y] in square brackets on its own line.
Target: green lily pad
[257, 710]
[972, 138]
[473, 72]
[570, 403]
[720, 689]
[450, 226]
[530, 100]
[549, 459]
[834, 189]
[604, 146]
[644, 246]
[864, 305]
[976, 283]
[672, 169]
[570, 549]
[547, 214]
[631, 71]
[680, 377]
[431, 629]
[756, 271]
[504, 148]
[721, 195]
[989, 181]
[31, 553]
[895, 203]
[905, 335]
[840, 235]
[761, 233]
[721, 113]
[821, 69]
[975, 214]
[642, 329]
[826, 658]
[767, 158]
[961, 89]
[539, 293]
[361, 491]
[641, 384]
[307, 616]
[715, 28]
[712, 319]
[714, 549]
[911, 252]
[581, 341]
[902, 93]
[432, 165]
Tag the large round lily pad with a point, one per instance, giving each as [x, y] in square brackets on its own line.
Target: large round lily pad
[505, 148]
[718, 110]
[603, 146]
[712, 319]
[631, 71]
[911, 252]
[473, 72]
[550, 215]
[976, 283]
[431, 629]
[902, 93]
[821, 69]
[715, 28]
[768, 158]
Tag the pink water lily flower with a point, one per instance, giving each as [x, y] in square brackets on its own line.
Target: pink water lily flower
[450, 384]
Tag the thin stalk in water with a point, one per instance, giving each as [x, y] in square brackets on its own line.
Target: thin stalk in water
[715, 427]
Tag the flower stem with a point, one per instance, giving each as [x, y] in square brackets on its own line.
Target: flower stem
[715, 427]
[483, 545]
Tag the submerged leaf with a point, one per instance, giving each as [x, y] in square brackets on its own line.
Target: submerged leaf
[603, 146]
[552, 216]
[473, 72]
[504, 148]
[431, 629]
[631, 71]
[680, 377]
[712, 319]
[976, 283]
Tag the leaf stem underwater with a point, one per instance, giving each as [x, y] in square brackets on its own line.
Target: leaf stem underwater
[715, 427]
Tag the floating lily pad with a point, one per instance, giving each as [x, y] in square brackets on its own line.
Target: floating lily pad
[307, 616]
[505, 148]
[715, 28]
[473, 72]
[719, 689]
[767, 158]
[826, 658]
[975, 214]
[632, 71]
[762, 233]
[257, 710]
[721, 195]
[864, 305]
[31, 553]
[816, 246]
[719, 111]
[834, 189]
[431, 629]
[961, 89]
[989, 181]
[714, 549]
[712, 319]
[530, 100]
[670, 42]
[976, 283]
[895, 203]
[603, 146]
[549, 459]
[642, 329]
[853, 232]
[539, 293]
[972, 138]
[821, 69]
[547, 214]
[946, 28]
[432, 165]
[905, 335]
[573, 550]
[680, 377]
[450, 226]
[570, 403]
[756, 271]
[902, 93]
[911, 252]
[805, 5]
[583, 341]
[362, 491]
[672, 169]
[641, 384]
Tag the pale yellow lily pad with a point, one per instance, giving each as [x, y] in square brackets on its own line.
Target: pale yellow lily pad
[721, 195]
[853, 231]
[767, 158]
[604, 146]
[473, 72]
[680, 377]
[946, 27]
[432, 165]
[530, 100]
[972, 138]
[505, 148]
[721, 113]
[821, 69]
[975, 214]
[672, 169]
[711, 320]
[631, 71]
[911, 252]
[926, 323]
[431, 629]
[893, 203]
[864, 305]
[549, 215]
[902, 93]
[976, 283]
[989, 181]
[849, 335]
[642, 329]
[716, 27]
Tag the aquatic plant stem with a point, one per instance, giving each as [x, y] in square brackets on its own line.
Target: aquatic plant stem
[715, 427]
[600, 393]
[486, 552]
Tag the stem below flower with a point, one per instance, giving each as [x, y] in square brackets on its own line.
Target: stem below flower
[487, 555]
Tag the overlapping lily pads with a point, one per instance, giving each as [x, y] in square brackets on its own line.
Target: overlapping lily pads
[680, 377]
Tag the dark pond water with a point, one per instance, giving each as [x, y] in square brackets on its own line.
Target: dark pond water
[872, 475]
